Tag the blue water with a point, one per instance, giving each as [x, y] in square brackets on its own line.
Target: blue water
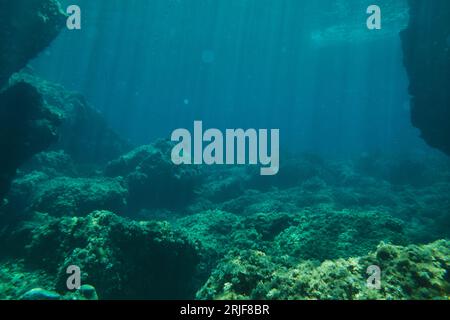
[310, 68]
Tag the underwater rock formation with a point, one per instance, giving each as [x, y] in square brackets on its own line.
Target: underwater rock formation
[27, 27]
[120, 258]
[324, 226]
[66, 196]
[290, 237]
[54, 163]
[86, 292]
[413, 272]
[84, 133]
[28, 125]
[426, 51]
[152, 179]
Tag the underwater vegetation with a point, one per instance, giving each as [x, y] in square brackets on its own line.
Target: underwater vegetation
[413, 272]
[75, 193]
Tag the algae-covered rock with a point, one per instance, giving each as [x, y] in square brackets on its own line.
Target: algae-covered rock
[28, 125]
[413, 272]
[153, 180]
[338, 234]
[121, 258]
[16, 279]
[88, 292]
[85, 135]
[40, 294]
[288, 238]
[54, 163]
[64, 196]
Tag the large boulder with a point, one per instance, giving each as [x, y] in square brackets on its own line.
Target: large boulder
[426, 49]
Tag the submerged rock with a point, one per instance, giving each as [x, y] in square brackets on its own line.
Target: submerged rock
[27, 27]
[413, 272]
[66, 196]
[427, 61]
[41, 294]
[153, 180]
[84, 134]
[123, 259]
[88, 292]
[28, 125]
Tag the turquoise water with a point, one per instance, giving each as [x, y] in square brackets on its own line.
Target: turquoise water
[310, 68]
[96, 204]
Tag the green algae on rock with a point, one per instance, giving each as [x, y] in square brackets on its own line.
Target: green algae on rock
[152, 179]
[28, 125]
[413, 272]
[120, 258]
[64, 196]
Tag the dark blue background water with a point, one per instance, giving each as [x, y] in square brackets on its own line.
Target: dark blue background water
[154, 66]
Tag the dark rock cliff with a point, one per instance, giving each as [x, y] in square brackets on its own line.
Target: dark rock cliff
[27, 124]
[426, 48]
[27, 27]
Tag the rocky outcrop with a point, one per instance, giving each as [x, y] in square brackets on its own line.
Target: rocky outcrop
[426, 48]
[27, 126]
[84, 133]
[27, 27]
[152, 179]
[407, 273]
[122, 259]
[27, 123]
[66, 196]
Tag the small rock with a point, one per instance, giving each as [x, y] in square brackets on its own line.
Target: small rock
[40, 294]
[88, 292]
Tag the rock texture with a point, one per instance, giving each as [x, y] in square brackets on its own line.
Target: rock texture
[426, 44]
[27, 27]
[123, 259]
[152, 179]
[413, 272]
[27, 124]
[84, 133]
